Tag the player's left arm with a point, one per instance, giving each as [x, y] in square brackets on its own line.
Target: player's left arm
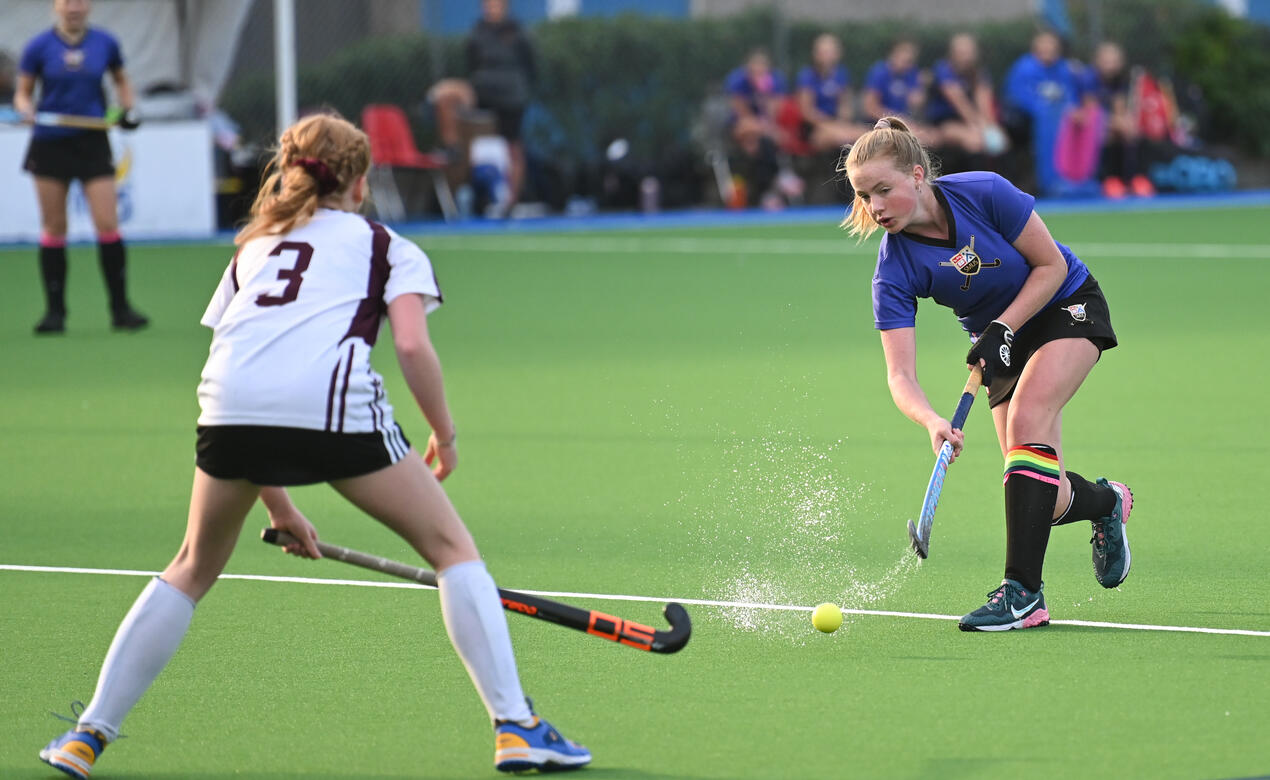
[127, 98]
[1049, 269]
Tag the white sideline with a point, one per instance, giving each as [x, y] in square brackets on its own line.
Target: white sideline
[621, 597]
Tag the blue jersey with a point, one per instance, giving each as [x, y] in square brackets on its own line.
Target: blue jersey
[739, 84]
[1031, 85]
[70, 75]
[977, 272]
[828, 89]
[893, 88]
[938, 108]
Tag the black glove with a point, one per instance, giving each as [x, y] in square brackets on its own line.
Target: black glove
[129, 120]
[993, 347]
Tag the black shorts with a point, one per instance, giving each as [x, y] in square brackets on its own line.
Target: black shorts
[272, 455]
[507, 121]
[85, 156]
[1082, 315]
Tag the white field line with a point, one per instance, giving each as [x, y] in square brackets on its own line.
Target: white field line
[796, 246]
[621, 597]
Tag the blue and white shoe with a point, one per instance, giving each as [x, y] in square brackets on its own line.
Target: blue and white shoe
[74, 752]
[520, 748]
[1110, 538]
[1009, 606]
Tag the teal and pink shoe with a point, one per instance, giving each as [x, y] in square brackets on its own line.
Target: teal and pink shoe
[1110, 540]
[1009, 606]
[74, 752]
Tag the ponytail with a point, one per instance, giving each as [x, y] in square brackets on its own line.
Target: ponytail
[892, 138]
[318, 156]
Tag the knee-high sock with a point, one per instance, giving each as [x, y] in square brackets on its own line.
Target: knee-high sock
[474, 619]
[1090, 500]
[53, 274]
[143, 645]
[111, 253]
[1031, 488]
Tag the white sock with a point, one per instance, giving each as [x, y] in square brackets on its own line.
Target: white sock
[474, 619]
[145, 641]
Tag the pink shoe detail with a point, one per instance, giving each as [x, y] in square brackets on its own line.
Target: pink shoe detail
[1126, 500]
[1040, 617]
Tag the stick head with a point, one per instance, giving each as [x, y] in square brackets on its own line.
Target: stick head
[920, 546]
[673, 641]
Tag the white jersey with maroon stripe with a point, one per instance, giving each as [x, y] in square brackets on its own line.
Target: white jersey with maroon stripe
[294, 320]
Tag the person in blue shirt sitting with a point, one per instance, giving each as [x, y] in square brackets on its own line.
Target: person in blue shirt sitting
[69, 61]
[825, 99]
[1038, 322]
[896, 86]
[754, 91]
[1038, 82]
[1106, 86]
[961, 103]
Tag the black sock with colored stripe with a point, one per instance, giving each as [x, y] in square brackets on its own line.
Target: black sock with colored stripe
[1031, 488]
[53, 273]
[111, 254]
[1090, 501]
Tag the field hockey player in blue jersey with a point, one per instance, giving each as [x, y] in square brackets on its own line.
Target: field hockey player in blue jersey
[1038, 322]
[69, 61]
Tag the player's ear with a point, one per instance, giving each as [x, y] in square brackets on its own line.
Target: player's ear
[359, 189]
[919, 174]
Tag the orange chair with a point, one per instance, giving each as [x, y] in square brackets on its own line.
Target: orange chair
[392, 145]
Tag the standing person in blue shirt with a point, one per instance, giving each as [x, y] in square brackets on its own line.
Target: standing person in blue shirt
[894, 87]
[961, 104]
[69, 61]
[825, 99]
[754, 90]
[1039, 322]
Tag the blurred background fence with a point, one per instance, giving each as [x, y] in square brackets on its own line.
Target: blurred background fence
[642, 70]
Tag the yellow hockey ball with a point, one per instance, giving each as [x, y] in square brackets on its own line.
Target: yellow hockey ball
[827, 618]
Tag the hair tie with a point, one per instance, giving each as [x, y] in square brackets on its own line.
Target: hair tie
[327, 182]
[882, 124]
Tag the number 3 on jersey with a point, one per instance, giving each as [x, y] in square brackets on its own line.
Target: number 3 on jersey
[293, 276]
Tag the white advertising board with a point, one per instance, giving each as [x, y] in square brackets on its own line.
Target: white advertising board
[164, 176]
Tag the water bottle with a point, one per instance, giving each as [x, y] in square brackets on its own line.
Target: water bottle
[649, 195]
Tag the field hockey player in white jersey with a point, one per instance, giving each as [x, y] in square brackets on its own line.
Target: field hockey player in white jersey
[288, 397]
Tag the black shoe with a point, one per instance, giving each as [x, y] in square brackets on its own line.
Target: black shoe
[53, 322]
[129, 319]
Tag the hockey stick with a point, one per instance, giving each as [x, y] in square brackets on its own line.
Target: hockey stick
[594, 622]
[51, 119]
[919, 534]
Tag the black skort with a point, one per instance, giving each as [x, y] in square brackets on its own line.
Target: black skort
[1082, 315]
[277, 456]
[84, 155]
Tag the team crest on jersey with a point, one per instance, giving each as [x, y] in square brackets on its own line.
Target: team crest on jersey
[968, 263]
[1077, 310]
[73, 59]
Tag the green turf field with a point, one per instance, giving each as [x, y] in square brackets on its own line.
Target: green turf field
[672, 413]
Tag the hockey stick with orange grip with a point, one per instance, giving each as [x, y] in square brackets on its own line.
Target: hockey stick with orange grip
[592, 621]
